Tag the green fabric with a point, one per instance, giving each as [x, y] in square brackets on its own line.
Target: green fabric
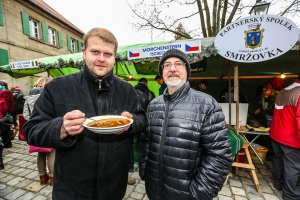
[236, 142]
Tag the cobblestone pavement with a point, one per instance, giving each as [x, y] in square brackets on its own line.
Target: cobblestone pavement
[20, 180]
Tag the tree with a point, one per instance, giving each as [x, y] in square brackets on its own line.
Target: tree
[200, 18]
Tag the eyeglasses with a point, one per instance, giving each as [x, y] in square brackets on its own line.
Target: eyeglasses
[177, 65]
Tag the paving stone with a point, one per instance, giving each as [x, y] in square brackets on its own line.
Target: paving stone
[129, 189]
[145, 197]
[15, 181]
[46, 190]
[7, 178]
[39, 198]
[263, 182]
[238, 191]
[24, 173]
[20, 163]
[11, 169]
[35, 187]
[32, 175]
[27, 196]
[15, 194]
[24, 183]
[247, 181]
[244, 174]
[6, 191]
[221, 197]
[225, 192]
[140, 188]
[236, 183]
[266, 189]
[266, 172]
[239, 198]
[136, 195]
[2, 186]
[18, 171]
[255, 197]
[251, 189]
[270, 196]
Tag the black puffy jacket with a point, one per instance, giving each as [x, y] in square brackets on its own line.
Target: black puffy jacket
[187, 154]
[146, 96]
[88, 166]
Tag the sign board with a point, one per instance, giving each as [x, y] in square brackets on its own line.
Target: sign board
[157, 51]
[24, 64]
[256, 38]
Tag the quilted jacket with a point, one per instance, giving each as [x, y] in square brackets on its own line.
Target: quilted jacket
[186, 153]
[88, 166]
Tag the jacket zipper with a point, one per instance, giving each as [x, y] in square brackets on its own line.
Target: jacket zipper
[100, 84]
[161, 145]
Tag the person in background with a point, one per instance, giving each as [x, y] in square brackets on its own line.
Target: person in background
[285, 132]
[38, 86]
[162, 84]
[87, 165]
[267, 102]
[203, 85]
[187, 153]
[42, 157]
[145, 97]
[224, 95]
[7, 96]
[18, 104]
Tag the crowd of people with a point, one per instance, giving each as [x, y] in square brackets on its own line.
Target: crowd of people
[185, 148]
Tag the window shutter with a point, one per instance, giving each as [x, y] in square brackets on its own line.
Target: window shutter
[69, 43]
[79, 48]
[25, 23]
[60, 42]
[45, 32]
[1, 15]
[3, 57]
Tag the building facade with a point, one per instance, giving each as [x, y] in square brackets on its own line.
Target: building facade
[31, 29]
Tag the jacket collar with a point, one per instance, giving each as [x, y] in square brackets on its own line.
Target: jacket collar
[106, 81]
[181, 92]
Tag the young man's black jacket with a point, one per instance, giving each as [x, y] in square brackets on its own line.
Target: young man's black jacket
[88, 166]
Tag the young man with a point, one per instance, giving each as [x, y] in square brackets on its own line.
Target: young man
[285, 132]
[162, 84]
[187, 154]
[87, 165]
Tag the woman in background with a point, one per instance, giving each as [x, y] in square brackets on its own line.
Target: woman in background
[42, 157]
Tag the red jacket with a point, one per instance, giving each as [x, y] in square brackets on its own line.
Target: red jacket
[285, 127]
[9, 101]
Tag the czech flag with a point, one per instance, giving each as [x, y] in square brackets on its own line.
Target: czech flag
[134, 54]
[192, 47]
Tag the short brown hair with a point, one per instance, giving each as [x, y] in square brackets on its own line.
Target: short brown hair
[103, 34]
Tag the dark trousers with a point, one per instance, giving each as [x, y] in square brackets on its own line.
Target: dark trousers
[6, 138]
[131, 156]
[286, 170]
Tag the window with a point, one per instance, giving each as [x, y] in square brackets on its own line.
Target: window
[72, 45]
[52, 36]
[34, 28]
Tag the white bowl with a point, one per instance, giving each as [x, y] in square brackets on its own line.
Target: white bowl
[109, 130]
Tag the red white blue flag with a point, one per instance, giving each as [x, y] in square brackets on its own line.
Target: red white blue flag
[192, 47]
[134, 54]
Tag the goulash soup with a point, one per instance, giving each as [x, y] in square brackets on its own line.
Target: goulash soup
[107, 123]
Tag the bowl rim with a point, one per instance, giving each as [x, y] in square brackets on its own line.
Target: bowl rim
[106, 117]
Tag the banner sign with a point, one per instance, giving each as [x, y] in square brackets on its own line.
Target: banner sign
[256, 38]
[24, 64]
[157, 51]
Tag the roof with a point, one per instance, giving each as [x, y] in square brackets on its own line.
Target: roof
[45, 7]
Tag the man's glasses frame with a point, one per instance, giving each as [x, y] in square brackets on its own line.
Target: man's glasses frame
[177, 65]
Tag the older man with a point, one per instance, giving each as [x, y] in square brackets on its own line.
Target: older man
[186, 153]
